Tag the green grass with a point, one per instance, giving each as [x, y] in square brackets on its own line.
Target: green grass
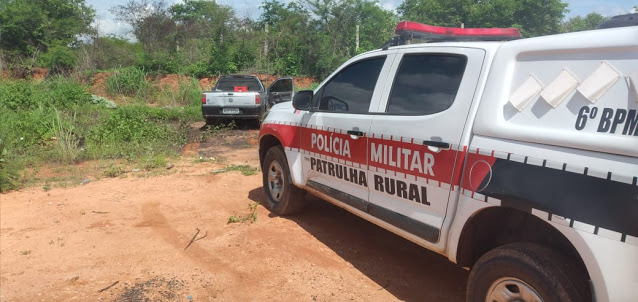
[130, 82]
[250, 217]
[57, 121]
[245, 170]
[113, 171]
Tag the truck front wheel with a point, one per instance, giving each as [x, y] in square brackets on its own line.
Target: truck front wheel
[525, 272]
[282, 197]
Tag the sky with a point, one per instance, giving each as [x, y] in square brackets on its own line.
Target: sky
[250, 8]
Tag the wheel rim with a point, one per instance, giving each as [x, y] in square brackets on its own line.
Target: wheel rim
[275, 181]
[511, 289]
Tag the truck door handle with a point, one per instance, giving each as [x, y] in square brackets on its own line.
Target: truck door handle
[355, 132]
[442, 145]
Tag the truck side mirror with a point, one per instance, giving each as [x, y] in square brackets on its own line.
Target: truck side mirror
[302, 100]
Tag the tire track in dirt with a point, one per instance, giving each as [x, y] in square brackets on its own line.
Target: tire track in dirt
[157, 221]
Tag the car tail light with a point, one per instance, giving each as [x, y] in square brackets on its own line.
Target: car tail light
[203, 99]
[257, 99]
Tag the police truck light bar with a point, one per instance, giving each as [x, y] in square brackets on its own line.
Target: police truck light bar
[408, 30]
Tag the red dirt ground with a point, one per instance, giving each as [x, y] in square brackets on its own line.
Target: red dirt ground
[131, 232]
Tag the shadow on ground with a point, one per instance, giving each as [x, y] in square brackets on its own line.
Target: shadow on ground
[406, 270]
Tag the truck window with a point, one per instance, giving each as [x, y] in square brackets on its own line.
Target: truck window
[351, 89]
[230, 84]
[426, 84]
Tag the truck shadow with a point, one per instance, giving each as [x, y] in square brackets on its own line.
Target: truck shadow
[404, 269]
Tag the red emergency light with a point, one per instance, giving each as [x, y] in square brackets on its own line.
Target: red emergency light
[408, 30]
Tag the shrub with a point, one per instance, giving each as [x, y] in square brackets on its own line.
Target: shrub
[9, 171]
[59, 59]
[186, 94]
[159, 62]
[68, 144]
[129, 82]
[132, 131]
[65, 93]
[19, 95]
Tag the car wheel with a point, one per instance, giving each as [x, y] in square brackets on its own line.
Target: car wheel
[282, 197]
[210, 121]
[526, 272]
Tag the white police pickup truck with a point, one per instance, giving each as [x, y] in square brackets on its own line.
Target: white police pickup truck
[516, 159]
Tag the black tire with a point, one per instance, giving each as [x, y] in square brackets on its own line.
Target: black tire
[553, 277]
[210, 121]
[276, 174]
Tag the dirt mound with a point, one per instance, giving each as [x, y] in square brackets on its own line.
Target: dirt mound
[172, 80]
[98, 84]
[39, 73]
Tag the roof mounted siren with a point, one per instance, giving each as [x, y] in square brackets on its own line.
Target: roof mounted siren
[408, 30]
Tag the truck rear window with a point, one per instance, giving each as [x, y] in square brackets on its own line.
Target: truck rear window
[238, 84]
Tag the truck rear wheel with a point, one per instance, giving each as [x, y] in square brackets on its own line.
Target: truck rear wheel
[282, 197]
[525, 272]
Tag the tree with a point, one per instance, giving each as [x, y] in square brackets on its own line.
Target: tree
[335, 24]
[151, 22]
[589, 22]
[532, 17]
[31, 26]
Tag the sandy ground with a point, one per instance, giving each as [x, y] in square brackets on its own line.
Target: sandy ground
[73, 243]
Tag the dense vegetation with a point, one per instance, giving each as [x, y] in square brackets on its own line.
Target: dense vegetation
[57, 120]
[204, 38]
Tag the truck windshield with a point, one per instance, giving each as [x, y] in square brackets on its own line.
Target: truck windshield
[238, 84]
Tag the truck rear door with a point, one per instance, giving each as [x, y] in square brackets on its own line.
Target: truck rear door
[235, 92]
[414, 143]
[281, 90]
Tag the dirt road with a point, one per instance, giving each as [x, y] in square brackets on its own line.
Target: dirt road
[130, 233]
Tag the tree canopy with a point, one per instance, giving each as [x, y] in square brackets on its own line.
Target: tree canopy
[29, 26]
[204, 37]
[578, 23]
[532, 17]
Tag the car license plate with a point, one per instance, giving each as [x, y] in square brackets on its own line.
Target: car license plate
[230, 111]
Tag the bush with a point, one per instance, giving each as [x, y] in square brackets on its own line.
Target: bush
[198, 70]
[159, 63]
[68, 144]
[186, 94]
[129, 82]
[59, 59]
[9, 171]
[133, 131]
[65, 93]
[59, 92]
[20, 95]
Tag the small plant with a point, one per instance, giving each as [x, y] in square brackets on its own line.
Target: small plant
[232, 219]
[129, 82]
[102, 101]
[153, 162]
[9, 172]
[245, 170]
[113, 171]
[218, 128]
[47, 186]
[68, 146]
[250, 217]
[25, 253]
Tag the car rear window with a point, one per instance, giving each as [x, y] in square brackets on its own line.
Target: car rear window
[238, 84]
